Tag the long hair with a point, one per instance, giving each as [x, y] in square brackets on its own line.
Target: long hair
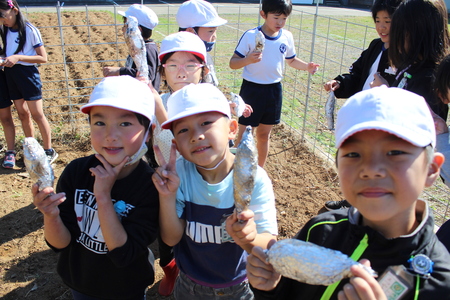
[419, 33]
[20, 22]
[441, 83]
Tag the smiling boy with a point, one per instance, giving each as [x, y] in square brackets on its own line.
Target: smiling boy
[196, 196]
[385, 139]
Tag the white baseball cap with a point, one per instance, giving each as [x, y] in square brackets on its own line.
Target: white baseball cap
[198, 13]
[123, 92]
[195, 99]
[393, 110]
[144, 15]
[183, 41]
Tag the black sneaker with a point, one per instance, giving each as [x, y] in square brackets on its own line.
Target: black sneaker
[51, 155]
[332, 205]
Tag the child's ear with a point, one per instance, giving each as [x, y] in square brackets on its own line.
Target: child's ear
[234, 126]
[262, 14]
[434, 167]
[149, 136]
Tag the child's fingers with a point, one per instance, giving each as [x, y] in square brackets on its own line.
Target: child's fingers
[173, 156]
[159, 155]
[363, 285]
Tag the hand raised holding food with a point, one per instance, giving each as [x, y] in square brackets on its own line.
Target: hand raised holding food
[260, 273]
[362, 286]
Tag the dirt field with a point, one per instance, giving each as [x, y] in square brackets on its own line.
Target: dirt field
[27, 266]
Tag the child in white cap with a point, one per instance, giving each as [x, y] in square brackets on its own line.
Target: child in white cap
[201, 18]
[196, 196]
[263, 71]
[105, 211]
[385, 139]
[182, 57]
[147, 20]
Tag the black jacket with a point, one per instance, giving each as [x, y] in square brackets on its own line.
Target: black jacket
[341, 231]
[353, 82]
[421, 83]
[86, 265]
[152, 62]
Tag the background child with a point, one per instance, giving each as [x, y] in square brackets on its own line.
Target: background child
[105, 212]
[372, 65]
[196, 196]
[24, 48]
[385, 139]
[442, 89]
[419, 40]
[373, 61]
[147, 20]
[7, 122]
[261, 87]
[200, 17]
[182, 63]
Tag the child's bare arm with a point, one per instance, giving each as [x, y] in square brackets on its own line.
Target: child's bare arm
[166, 181]
[39, 58]
[260, 273]
[242, 228]
[362, 286]
[55, 232]
[299, 64]
[111, 71]
[237, 62]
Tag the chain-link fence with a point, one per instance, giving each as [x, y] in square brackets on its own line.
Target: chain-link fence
[84, 46]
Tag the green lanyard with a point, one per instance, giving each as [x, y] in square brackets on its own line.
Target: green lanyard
[356, 255]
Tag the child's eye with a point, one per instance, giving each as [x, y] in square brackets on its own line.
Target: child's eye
[351, 154]
[206, 123]
[125, 124]
[395, 152]
[182, 130]
[99, 123]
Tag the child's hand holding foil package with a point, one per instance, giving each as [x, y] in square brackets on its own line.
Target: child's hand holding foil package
[37, 163]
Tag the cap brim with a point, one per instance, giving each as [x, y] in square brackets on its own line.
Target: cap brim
[214, 23]
[161, 55]
[122, 13]
[411, 137]
[168, 124]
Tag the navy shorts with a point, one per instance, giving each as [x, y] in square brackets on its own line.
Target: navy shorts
[265, 99]
[5, 100]
[24, 82]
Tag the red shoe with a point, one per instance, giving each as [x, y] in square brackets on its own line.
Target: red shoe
[167, 284]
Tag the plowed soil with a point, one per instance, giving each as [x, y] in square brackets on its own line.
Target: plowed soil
[302, 182]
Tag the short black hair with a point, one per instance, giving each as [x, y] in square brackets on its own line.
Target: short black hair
[388, 5]
[145, 32]
[277, 7]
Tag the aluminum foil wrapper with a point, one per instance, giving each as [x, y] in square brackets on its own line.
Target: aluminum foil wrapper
[37, 164]
[240, 105]
[259, 41]
[136, 46]
[245, 166]
[309, 263]
[329, 110]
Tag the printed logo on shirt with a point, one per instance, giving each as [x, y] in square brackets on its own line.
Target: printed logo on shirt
[283, 48]
[91, 237]
[204, 233]
[17, 40]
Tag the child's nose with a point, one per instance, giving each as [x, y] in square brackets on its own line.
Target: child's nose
[372, 168]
